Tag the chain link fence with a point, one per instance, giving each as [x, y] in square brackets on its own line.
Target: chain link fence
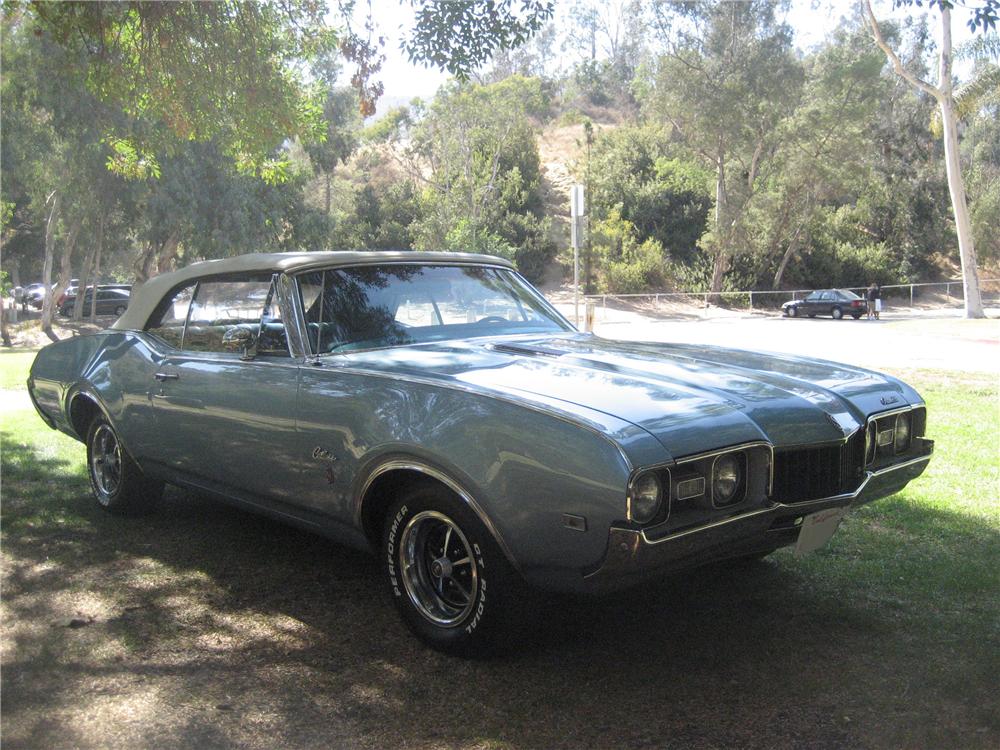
[930, 294]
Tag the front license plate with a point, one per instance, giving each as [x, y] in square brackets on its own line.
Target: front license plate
[817, 528]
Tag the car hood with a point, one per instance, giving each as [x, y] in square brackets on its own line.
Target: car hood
[691, 398]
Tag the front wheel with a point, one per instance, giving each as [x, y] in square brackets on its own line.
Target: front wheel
[118, 483]
[792, 312]
[120, 310]
[837, 313]
[450, 581]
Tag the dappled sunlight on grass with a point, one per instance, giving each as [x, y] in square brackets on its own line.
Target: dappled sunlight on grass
[200, 625]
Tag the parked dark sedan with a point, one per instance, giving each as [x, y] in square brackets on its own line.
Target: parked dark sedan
[833, 302]
[109, 302]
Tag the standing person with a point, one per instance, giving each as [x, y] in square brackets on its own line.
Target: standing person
[878, 300]
[870, 297]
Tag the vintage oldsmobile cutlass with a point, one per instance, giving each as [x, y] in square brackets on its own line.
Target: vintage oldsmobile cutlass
[436, 409]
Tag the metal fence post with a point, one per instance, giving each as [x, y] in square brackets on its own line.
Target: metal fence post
[911, 295]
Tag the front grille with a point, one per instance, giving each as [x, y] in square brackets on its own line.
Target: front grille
[802, 474]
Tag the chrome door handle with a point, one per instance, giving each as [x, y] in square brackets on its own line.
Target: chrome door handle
[161, 376]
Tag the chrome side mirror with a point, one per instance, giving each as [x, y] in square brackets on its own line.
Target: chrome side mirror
[242, 340]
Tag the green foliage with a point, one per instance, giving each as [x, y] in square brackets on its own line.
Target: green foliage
[460, 35]
[484, 183]
[381, 218]
[628, 263]
[223, 71]
[664, 199]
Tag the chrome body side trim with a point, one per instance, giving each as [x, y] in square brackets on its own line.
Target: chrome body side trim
[451, 484]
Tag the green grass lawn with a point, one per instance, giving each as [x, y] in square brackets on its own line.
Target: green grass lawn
[14, 366]
[888, 637]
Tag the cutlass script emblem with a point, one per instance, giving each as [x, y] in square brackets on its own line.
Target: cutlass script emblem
[886, 400]
[322, 454]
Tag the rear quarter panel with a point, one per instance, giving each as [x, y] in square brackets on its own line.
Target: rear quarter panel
[113, 368]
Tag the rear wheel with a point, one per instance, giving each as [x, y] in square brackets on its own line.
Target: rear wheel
[837, 313]
[856, 316]
[118, 483]
[450, 581]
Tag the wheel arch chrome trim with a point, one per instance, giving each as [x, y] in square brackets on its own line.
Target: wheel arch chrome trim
[408, 464]
[80, 390]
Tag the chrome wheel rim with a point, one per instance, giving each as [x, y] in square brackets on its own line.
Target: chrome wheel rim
[439, 571]
[105, 463]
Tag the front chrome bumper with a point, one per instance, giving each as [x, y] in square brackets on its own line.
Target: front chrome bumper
[632, 556]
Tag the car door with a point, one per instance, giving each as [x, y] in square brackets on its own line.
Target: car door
[811, 303]
[226, 418]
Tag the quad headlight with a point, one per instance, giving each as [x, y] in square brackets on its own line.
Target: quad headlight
[727, 479]
[645, 498]
[902, 432]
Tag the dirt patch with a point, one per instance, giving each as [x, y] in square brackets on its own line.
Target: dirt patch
[27, 332]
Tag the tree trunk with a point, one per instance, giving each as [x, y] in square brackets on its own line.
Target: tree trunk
[97, 268]
[326, 199]
[944, 94]
[143, 266]
[4, 333]
[956, 185]
[167, 254]
[66, 263]
[793, 246]
[50, 240]
[85, 279]
[719, 268]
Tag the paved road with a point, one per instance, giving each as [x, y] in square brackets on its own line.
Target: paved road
[904, 338]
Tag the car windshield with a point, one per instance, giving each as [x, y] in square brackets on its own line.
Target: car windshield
[393, 305]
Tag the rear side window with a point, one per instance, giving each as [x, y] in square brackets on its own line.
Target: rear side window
[198, 317]
[170, 324]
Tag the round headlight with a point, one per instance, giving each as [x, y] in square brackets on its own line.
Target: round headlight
[645, 500]
[725, 479]
[902, 432]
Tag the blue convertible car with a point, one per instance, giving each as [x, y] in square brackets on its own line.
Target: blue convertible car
[436, 409]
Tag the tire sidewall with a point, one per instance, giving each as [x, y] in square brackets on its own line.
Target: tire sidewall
[108, 501]
[837, 313]
[485, 615]
[136, 493]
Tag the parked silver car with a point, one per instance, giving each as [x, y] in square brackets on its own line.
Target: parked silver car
[435, 409]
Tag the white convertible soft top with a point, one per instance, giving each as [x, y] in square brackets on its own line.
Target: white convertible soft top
[146, 297]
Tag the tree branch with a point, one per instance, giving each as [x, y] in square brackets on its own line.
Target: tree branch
[897, 64]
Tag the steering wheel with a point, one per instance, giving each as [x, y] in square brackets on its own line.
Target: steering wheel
[492, 319]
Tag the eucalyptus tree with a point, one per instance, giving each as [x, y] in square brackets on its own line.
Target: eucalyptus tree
[984, 17]
[831, 140]
[726, 82]
[475, 154]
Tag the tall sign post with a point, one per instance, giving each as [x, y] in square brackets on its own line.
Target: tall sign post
[576, 209]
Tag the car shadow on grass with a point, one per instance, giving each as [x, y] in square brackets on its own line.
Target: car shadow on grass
[202, 625]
